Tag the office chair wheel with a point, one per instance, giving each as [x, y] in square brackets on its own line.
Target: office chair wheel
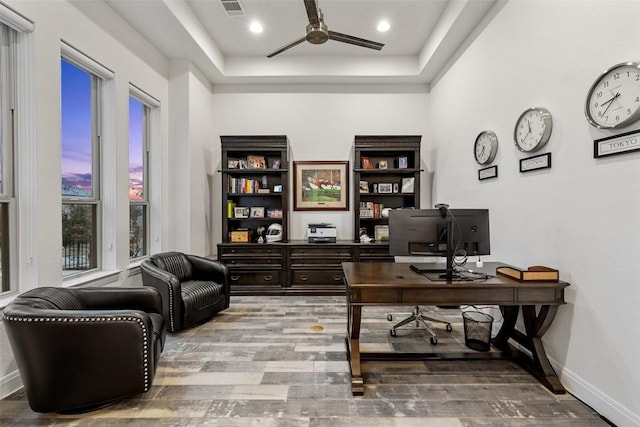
[389, 317]
[449, 328]
[434, 340]
[392, 332]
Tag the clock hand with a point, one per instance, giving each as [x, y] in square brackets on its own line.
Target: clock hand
[610, 102]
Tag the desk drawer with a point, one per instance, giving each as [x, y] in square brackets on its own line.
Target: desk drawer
[321, 251]
[252, 262]
[317, 277]
[252, 278]
[250, 250]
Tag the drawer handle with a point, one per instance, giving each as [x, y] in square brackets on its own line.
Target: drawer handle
[233, 261]
[268, 278]
[337, 278]
[304, 278]
[235, 278]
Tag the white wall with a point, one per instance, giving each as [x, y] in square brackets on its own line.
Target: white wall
[321, 123]
[55, 21]
[581, 216]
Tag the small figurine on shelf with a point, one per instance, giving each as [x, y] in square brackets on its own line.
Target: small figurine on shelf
[260, 231]
[364, 238]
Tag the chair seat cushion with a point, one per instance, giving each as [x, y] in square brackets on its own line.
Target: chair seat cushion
[201, 299]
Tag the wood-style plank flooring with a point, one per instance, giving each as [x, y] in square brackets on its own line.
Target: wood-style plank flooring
[281, 361]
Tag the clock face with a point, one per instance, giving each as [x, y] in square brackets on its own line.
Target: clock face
[486, 147]
[533, 129]
[614, 99]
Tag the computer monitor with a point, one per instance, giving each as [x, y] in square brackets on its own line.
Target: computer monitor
[438, 232]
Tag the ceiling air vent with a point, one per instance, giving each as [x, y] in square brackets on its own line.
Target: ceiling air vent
[232, 7]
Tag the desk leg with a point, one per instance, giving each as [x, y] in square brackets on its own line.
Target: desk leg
[353, 348]
[509, 318]
[536, 326]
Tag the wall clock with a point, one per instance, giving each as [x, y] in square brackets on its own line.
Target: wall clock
[614, 98]
[485, 147]
[533, 129]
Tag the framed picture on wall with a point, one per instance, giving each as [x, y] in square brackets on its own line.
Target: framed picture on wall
[321, 185]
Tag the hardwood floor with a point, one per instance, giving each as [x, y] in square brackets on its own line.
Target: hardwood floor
[281, 361]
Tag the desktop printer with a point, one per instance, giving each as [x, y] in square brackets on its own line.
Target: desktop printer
[322, 233]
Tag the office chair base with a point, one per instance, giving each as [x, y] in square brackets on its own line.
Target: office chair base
[419, 317]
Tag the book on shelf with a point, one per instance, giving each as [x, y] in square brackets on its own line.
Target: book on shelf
[534, 273]
[230, 209]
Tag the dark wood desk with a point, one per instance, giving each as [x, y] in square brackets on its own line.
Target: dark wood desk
[386, 283]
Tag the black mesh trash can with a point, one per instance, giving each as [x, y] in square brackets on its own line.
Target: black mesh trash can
[477, 330]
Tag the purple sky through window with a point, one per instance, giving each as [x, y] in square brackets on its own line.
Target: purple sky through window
[76, 131]
[136, 150]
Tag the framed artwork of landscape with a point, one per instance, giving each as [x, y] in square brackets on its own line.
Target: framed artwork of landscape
[321, 185]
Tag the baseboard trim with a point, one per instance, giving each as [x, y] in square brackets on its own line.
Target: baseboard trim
[9, 384]
[608, 408]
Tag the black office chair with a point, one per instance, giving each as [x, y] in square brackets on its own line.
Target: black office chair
[420, 318]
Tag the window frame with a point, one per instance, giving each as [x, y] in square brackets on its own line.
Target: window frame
[102, 198]
[144, 203]
[152, 194]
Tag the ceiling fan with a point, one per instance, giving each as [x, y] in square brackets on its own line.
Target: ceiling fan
[318, 33]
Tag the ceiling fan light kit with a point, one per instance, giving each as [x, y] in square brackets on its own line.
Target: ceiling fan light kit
[318, 33]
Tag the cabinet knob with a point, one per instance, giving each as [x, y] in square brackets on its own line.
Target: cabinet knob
[235, 278]
[337, 278]
[268, 278]
[233, 261]
[304, 278]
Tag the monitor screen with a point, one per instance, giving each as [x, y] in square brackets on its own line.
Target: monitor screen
[423, 232]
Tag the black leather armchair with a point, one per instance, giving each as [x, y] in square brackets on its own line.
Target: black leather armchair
[193, 288]
[81, 349]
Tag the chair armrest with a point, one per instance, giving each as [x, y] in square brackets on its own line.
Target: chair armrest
[209, 269]
[170, 291]
[146, 299]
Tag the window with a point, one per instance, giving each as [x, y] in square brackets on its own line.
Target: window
[7, 200]
[80, 160]
[18, 181]
[138, 178]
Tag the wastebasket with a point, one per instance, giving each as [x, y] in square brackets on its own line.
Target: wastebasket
[477, 330]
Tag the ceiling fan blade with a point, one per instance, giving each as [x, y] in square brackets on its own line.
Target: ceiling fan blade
[345, 38]
[312, 11]
[289, 46]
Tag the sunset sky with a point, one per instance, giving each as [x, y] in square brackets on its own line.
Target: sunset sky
[76, 136]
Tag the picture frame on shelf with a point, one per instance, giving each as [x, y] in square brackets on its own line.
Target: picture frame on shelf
[385, 188]
[382, 164]
[321, 185]
[396, 187]
[256, 212]
[233, 163]
[275, 164]
[364, 186]
[408, 184]
[366, 163]
[256, 162]
[241, 212]
[244, 164]
[403, 162]
[274, 213]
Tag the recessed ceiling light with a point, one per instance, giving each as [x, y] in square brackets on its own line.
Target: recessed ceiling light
[255, 27]
[383, 26]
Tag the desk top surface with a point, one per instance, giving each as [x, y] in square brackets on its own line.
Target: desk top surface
[392, 275]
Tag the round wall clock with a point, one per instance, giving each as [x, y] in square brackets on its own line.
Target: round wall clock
[485, 147]
[614, 98]
[533, 129]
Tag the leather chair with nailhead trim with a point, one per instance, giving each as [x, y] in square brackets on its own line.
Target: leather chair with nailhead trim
[81, 349]
[193, 288]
